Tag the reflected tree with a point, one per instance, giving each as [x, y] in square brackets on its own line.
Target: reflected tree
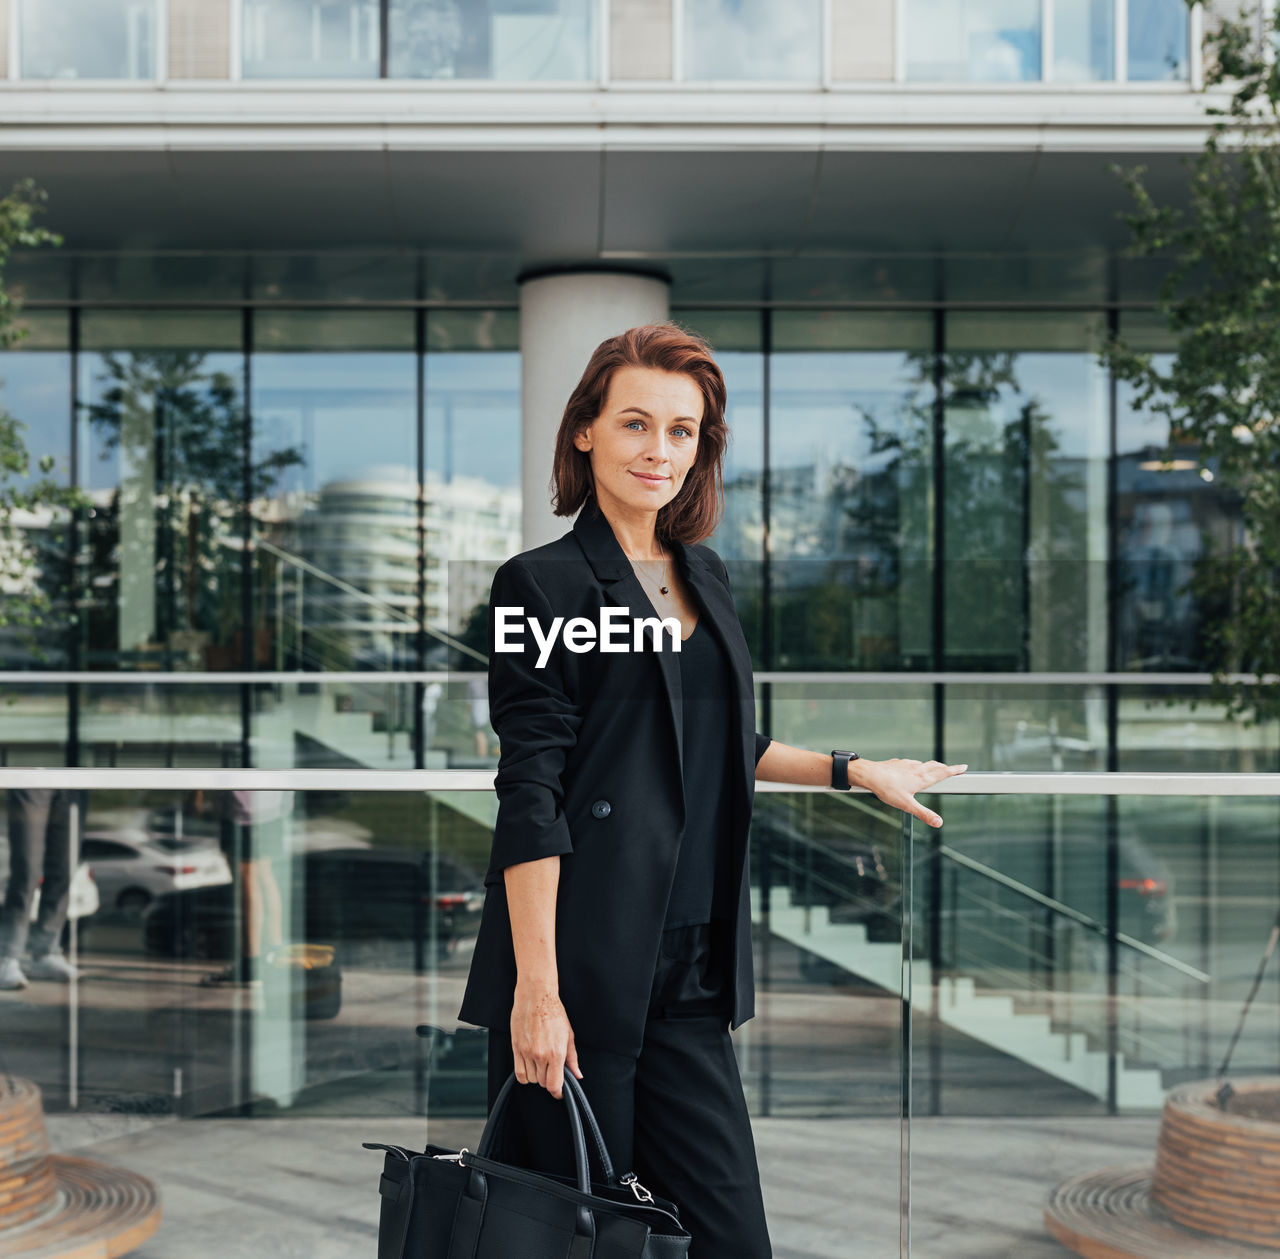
[163, 552]
[36, 502]
[1220, 391]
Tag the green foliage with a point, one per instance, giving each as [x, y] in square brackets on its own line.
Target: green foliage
[1220, 392]
[32, 581]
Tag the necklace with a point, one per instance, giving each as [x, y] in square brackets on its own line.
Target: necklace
[664, 588]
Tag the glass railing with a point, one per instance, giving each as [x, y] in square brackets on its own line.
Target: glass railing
[953, 1020]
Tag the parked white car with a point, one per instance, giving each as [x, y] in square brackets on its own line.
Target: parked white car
[84, 890]
[132, 868]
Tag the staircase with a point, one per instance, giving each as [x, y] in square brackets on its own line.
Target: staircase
[989, 1017]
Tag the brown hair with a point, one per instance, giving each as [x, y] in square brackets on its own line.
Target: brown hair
[696, 510]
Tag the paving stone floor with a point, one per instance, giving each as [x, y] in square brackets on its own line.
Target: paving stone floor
[293, 1188]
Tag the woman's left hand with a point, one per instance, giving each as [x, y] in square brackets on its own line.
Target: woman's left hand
[896, 781]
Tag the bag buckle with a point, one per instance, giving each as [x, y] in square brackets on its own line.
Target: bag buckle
[452, 1158]
[633, 1183]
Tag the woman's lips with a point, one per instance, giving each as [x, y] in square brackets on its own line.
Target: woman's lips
[649, 480]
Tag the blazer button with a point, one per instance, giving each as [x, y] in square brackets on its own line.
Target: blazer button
[601, 808]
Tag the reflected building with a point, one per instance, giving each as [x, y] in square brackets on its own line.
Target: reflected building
[350, 576]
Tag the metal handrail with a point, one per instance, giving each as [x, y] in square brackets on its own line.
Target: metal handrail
[968, 784]
[1058, 907]
[364, 596]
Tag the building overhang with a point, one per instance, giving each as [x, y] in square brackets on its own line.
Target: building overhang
[552, 175]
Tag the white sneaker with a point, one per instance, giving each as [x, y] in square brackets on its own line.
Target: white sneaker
[11, 975]
[52, 966]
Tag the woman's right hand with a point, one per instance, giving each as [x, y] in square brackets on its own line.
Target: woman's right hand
[541, 1038]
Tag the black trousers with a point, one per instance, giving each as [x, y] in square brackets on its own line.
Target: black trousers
[675, 1115]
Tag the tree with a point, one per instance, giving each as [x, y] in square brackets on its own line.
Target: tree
[1221, 390]
[31, 581]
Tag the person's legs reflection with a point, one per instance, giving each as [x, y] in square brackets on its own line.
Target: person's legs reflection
[40, 855]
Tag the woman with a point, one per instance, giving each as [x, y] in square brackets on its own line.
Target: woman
[615, 940]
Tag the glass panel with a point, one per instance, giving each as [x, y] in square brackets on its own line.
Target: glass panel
[1177, 729]
[1014, 952]
[851, 457]
[1084, 40]
[752, 39]
[980, 41]
[1026, 474]
[88, 39]
[35, 394]
[249, 956]
[1169, 516]
[336, 277]
[739, 541]
[1026, 728]
[1158, 35]
[473, 506]
[520, 40]
[311, 39]
[134, 724]
[162, 434]
[168, 276]
[334, 416]
[826, 715]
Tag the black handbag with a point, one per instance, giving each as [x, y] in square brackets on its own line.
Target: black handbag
[455, 1204]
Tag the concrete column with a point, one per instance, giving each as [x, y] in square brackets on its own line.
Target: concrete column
[563, 317]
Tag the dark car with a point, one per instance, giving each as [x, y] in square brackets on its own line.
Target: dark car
[349, 894]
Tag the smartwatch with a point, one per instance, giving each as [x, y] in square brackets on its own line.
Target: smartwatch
[840, 768]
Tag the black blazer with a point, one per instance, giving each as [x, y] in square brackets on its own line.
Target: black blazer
[591, 768]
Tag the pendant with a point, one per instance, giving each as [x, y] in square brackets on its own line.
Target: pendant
[664, 590]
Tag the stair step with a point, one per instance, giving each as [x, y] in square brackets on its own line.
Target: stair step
[992, 1017]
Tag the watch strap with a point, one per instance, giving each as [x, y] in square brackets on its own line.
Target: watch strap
[840, 759]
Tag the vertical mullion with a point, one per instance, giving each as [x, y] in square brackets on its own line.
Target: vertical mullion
[384, 38]
[420, 654]
[79, 604]
[247, 636]
[766, 566]
[1112, 658]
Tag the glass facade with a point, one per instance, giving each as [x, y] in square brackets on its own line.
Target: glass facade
[276, 489]
[426, 39]
[88, 39]
[530, 41]
[949, 535]
[1003, 41]
[752, 39]
[973, 41]
[492, 39]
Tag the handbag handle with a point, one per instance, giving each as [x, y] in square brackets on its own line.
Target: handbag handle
[578, 1107]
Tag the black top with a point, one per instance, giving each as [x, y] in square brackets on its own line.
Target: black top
[701, 889]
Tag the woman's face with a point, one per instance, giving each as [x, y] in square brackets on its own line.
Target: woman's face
[644, 442]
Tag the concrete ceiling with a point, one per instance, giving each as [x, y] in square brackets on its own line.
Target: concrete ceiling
[558, 206]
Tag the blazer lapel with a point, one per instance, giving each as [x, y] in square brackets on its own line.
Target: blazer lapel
[612, 568]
